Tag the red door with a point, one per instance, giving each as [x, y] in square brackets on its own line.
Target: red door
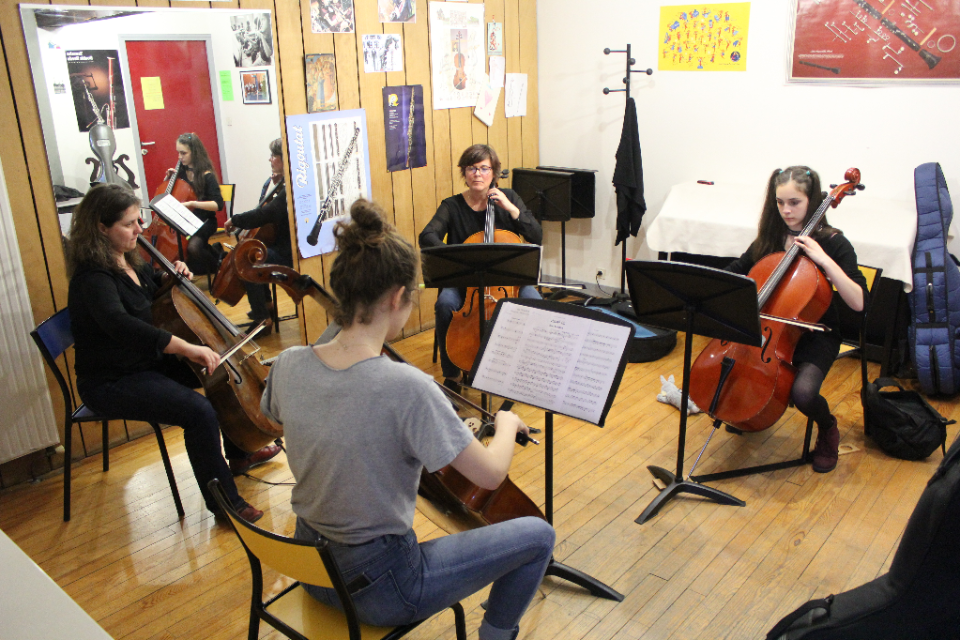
[184, 73]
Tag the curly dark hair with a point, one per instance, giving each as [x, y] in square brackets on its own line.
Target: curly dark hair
[104, 204]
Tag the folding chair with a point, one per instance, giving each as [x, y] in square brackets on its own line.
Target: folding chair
[293, 611]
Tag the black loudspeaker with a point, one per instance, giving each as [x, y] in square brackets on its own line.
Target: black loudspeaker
[546, 193]
[583, 191]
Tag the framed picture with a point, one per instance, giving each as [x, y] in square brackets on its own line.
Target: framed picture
[321, 82]
[256, 86]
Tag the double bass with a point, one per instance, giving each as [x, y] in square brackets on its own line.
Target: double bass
[445, 496]
[234, 388]
[749, 387]
[159, 233]
[463, 336]
[227, 285]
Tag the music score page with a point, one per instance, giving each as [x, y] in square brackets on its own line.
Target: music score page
[176, 215]
[556, 361]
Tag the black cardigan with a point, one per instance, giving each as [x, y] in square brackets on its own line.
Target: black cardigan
[112, 323]
[457, 221]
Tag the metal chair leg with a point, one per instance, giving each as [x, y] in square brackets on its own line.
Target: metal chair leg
[106, 445]
[169, 469]
[67, 464]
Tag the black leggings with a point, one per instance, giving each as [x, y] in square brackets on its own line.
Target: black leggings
[805, 394]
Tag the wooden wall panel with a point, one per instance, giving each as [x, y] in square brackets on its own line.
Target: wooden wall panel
[411, 196]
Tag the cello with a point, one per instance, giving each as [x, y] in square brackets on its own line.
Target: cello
[234, 388]
[749, 387]
[227, 285]
[445, 496]
[160, 234]
[463, 336]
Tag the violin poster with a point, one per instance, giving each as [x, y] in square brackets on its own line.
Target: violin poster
[457, 53]
[704, 37]
[98, 93]
[404, 127]
[329, 170]
[875, 40]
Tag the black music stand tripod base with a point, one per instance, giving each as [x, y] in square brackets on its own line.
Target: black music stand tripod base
[675, 487]
[579, 578]
[699, 301]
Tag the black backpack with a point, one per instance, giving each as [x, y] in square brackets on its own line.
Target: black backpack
[919, 598]
[902, 423]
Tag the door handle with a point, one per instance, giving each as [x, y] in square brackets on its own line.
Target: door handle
[147, 144]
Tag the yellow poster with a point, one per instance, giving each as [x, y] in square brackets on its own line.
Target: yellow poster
[704, 37]
[152, 93]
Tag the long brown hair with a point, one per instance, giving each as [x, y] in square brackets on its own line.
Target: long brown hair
[772, 231]
[104, 204]
[199, 162]
[374, 258]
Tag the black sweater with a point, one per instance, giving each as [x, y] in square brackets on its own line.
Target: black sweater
[112, 323]
[457, 221]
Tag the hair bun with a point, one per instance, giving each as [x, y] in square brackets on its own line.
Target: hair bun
[366, 227]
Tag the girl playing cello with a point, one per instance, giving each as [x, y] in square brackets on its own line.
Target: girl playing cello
[361, 427]
[196, 168]
[793, 195]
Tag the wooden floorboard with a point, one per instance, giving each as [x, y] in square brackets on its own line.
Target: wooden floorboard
[696, 570]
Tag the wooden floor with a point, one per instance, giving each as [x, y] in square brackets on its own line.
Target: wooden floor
[697, 570]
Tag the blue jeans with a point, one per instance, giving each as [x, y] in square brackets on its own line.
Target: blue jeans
[448, 301]
[398, 580]
[166, 397]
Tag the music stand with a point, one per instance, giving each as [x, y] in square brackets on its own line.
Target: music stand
[700, 301]
[505, 369]
[548, 194]
[481, 265]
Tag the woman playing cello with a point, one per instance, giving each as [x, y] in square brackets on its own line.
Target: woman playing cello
[793, 195]
[196, 168]
[125, 366]
[462, 215]
[361, 427]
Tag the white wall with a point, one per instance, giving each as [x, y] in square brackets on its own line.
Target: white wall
[721, 126]
[246, 129]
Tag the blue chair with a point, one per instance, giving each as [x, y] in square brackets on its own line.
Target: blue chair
[53, 337]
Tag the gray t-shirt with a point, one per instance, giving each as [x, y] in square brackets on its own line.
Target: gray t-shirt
[357, 440]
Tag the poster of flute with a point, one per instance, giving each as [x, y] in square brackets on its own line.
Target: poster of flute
[403, 125]
[329, 170]
[457, 34]
[707, 37]
[875, 40]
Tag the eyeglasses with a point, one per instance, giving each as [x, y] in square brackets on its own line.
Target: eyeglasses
[484, 171]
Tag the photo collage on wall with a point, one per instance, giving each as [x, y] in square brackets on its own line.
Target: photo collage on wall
[332, 16]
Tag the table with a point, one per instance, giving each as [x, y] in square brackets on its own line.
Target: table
[721, 220]
[34, 607]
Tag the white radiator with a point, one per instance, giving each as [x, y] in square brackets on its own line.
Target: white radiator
[27, 422]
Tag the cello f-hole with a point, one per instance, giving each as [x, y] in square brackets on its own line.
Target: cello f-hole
[768, 333]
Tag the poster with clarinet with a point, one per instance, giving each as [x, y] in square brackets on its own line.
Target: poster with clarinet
[871, 41]
[329, 170]
[404, 128]
[97, 87]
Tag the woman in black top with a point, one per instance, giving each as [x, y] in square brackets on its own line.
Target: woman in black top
[793, 196]
[196, 169]
[460, 216]
[128, 368]
[272, 209]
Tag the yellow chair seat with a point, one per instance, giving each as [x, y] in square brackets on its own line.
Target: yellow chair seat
[312, 619]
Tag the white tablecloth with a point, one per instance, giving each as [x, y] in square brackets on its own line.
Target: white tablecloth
[721, 220]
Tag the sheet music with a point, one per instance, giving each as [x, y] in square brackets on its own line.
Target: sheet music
[557, 361]
[176, 215]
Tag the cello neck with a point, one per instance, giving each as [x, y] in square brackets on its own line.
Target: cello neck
[791, 254]
[189, 288]
[173, 180]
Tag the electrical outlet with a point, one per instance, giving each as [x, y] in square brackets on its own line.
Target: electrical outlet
[601, 274]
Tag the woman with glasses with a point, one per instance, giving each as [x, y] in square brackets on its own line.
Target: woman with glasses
[459, 217]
